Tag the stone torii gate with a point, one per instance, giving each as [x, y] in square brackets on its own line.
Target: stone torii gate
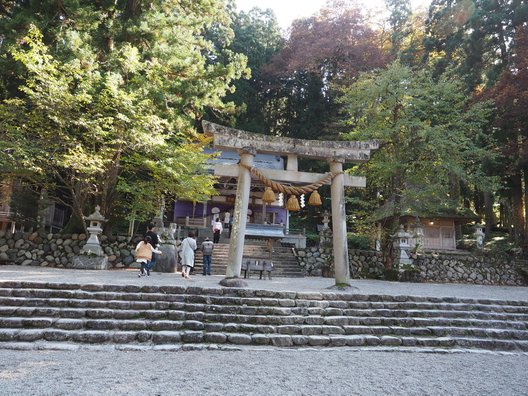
[335, 153]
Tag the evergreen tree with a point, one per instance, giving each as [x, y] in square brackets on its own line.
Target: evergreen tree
[101, 98]
[428, 133]
[258, 36]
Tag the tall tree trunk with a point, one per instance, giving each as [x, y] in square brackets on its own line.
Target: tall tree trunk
[478, 202]
[489, 216]
[525, 188]
[132, 8]
[455, 192]
[518, 208]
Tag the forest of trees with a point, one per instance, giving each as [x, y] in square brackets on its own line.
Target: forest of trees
[101, 101]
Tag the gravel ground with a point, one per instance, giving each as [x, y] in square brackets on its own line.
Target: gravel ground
[253, 372]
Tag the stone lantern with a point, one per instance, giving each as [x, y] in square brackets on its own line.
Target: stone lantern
[418, 236]
[92, 255]
[479, 236]
[326, 219]
[401, 246]
[94, 222]
[325, 234]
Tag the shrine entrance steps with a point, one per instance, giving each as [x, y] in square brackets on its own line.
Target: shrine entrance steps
[130, 317]
[284, 261]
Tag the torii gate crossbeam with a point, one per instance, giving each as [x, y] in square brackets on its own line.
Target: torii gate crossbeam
[334, 152]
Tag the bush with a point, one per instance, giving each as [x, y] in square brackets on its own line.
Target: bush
[312, 238]
[359, 242]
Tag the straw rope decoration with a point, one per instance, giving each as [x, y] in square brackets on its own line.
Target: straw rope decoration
[290, 190]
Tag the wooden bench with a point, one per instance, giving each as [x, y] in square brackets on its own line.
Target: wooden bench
[264, 266]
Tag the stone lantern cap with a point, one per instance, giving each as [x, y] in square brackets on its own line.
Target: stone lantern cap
[401, 233]
[96, 216]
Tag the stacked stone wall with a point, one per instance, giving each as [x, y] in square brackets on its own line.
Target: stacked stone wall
[480, 270]
[438, 268]
[314, 260]
[58, 250]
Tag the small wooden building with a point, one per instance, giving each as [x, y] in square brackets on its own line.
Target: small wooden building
[439, 233]
[436, 231]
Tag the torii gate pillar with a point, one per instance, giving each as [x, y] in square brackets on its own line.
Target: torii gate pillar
[236, 244]
[336, 153]
[340, 243]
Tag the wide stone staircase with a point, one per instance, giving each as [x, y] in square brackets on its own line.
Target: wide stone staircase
[37, 315]
[284, 262]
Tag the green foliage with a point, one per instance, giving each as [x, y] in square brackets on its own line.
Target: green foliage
[426, 129]
[472, 36]
[428, 133]
[257, 35]
[357, 241]
[107, 98]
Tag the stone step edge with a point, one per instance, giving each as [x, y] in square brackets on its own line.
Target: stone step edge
[280, 340]
[120, 325]
[195, 300]
[235, 292]
[212, 321]
[134, 305]
[58, 346]
[275, 312]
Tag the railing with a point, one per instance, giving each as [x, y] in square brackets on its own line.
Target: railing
[192, 221]
[6, 214]
[295, 231]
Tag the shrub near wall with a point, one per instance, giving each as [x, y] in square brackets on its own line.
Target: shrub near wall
[57, 250]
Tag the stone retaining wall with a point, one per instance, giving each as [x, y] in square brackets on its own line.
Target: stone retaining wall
[56, 250]
[437, 268]
[314, 260]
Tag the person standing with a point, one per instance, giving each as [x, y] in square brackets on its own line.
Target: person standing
[207, 251]
[144, 253]
[227, 218]
[217, 230]
[188, 247]
[155, 242]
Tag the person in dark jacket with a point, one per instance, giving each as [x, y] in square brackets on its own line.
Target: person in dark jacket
[207, 250]
[155, 241]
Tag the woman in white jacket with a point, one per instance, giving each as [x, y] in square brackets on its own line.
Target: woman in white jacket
[188, 247]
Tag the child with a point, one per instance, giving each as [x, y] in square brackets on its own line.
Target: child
[144, 252]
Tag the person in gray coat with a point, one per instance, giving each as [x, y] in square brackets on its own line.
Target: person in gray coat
[187, 249]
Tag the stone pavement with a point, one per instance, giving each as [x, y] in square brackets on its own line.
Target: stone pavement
[312, 284]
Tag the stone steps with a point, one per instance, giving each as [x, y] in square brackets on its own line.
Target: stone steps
[263, 326]
[333, 307]
[32, 312]
[172, 337]
[285, 263]
[23, 316]
[50, 305]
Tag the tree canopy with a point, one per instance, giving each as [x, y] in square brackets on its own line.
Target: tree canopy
[106, 98]
[101, 101]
